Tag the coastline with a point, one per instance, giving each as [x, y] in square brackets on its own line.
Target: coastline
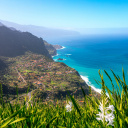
[61, 48]
[89, 84]
[85, 78]
[55, 55]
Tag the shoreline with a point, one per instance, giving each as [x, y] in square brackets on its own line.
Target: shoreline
[58, 49]
[61, 48]
[89, 84]
[55, 55]
[85, 78]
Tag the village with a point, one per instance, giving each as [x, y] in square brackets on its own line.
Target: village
[44, 75]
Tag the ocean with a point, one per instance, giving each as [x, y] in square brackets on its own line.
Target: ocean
[88, 55]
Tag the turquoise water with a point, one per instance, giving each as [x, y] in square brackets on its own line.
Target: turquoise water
[88, 55]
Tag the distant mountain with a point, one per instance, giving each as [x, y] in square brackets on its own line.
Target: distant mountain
[14, 43]
[1, 24]
[42, 31]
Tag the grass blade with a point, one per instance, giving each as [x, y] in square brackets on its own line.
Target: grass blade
[74, 103]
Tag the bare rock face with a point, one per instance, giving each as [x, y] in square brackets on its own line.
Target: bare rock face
[52, 51]
[57, 47]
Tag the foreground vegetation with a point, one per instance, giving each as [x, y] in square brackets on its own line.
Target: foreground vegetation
[110, 111]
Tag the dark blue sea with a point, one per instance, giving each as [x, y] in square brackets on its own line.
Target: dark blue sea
[89, 54]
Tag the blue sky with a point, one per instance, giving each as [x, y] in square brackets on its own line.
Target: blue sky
[68, 14]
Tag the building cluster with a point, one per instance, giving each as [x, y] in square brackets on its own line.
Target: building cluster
[39, 71]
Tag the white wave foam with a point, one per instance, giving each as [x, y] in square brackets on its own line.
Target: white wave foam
[91, 85]
[59, 60]
[68, 54]
[61, 48]
[55, 59]
[56, 55]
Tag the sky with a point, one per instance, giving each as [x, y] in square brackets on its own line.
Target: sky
[66, 14]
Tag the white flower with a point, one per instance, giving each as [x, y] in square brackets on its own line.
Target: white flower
[101, 116]
[110, 120]
[69, 106]
[101, 107]
[111, 107]
[104, 115]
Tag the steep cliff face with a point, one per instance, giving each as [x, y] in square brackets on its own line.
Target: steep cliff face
[52, 51]
[14, 43]
[57, 47]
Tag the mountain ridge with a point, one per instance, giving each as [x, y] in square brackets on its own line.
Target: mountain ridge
[27, 64]
[17, 43]
[41, 31]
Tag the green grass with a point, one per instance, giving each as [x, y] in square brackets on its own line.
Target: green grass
[28, 71]
[49, 115]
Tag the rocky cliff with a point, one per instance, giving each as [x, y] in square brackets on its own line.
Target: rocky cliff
[57, 46]
[14, 43]
[51, 49]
